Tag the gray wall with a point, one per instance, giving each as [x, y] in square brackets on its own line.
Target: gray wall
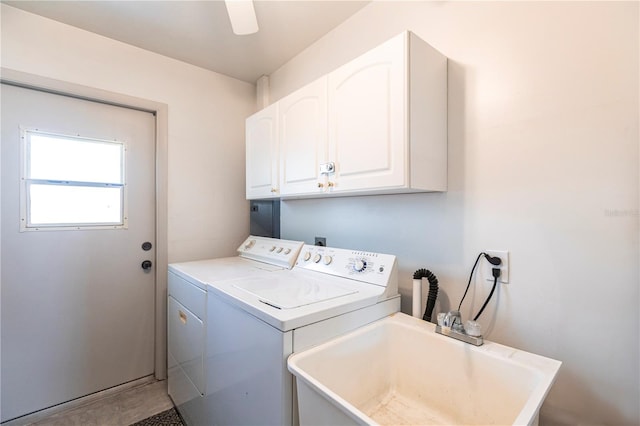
[543, 162]
[408, 226]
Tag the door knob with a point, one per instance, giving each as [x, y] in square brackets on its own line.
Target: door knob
[146, 265]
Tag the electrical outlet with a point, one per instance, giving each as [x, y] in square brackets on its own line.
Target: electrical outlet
[504, 266]
[321, 241]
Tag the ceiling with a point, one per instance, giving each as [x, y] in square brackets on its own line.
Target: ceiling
[199, 32]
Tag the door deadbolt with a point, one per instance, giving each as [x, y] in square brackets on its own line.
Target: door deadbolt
[146, 246]
[146, 265]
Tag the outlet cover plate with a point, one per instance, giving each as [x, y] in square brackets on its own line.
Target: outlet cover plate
[504, 266]
[320, 241]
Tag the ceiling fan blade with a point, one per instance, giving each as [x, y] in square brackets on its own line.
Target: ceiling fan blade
[242, 16]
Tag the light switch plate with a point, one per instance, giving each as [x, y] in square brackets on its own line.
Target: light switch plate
[504, 266]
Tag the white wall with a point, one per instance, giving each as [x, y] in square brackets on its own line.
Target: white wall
[208, 214]
[543, 162]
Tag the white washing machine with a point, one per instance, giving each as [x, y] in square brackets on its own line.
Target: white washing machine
[255, 323]
[187, 313]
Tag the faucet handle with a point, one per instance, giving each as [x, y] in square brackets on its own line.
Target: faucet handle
[452, 318]
[473, 328]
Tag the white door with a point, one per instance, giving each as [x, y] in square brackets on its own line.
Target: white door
[77, 306]
[303, 139]
[262, 154]
[367, 110]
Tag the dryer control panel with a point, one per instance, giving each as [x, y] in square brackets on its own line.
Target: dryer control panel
[270, 250]
[368, 267]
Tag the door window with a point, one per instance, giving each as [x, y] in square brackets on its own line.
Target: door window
[71, 182]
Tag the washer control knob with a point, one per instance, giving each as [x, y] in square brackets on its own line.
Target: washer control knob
[328, 259]
[279, 250]
[287, 251]
[307, 256]
[250, 244]
[359, 265]
[272, 248]
[317, 258]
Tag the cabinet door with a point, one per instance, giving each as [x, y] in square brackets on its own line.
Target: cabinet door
[262, 154]
[303, 139]
[367, 119]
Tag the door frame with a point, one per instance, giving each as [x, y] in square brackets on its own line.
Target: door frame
[160, 110]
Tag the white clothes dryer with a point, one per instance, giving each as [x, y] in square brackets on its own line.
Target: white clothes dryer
[187, 312]
[255, 323]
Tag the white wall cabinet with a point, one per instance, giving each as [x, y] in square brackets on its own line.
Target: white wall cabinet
[262, 153]
[302, 120]
[367, 120]
[377, 125]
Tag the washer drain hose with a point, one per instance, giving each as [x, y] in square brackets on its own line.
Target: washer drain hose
[432, 295]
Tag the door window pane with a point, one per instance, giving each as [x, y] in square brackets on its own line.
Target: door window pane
[72, 159]
[71, 205]
[72, 182]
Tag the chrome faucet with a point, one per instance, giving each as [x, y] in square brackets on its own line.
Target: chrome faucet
[452, 327]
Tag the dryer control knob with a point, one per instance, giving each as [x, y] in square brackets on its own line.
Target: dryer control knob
[317, 258]
[307, 256]
[328, 260]
[272, 248]
[287, 251]
[279, 250]
[359, 265]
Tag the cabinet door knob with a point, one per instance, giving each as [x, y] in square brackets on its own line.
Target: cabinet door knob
[274, 190]
[330, 184]
[320, 184]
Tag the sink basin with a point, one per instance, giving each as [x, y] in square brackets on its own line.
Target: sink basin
[398, 371]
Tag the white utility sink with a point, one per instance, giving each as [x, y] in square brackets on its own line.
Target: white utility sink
[398, 371]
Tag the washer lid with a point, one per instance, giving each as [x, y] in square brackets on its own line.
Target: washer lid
[289, 294]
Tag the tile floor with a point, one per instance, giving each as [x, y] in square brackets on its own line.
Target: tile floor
[120, 409]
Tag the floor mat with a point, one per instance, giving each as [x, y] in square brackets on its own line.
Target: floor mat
[166, 418]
